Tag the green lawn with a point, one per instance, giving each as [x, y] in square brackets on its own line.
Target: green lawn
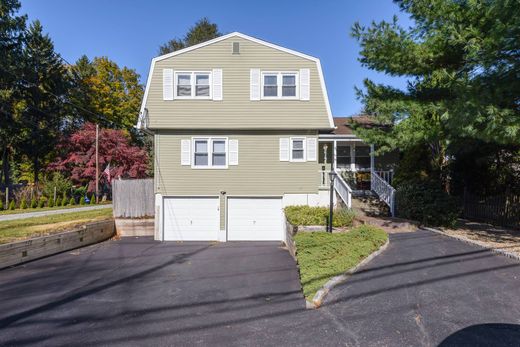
[21, 229]
[322, 255]
[27, 210]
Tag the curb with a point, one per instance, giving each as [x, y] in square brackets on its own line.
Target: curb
[495, 250]
[320, 295]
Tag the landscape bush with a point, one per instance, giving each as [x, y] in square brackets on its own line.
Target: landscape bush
[23, 204]
[82, 200]
[427, 203]
[93, 199]
[34, 203]
[72, 202]
[12, 205]
[1, 204]
[64, 201]
[307, 215]
[41, 202]
[50, 203]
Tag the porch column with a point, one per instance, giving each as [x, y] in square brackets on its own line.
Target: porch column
[334, 155]
[372, 159]
[353, 157]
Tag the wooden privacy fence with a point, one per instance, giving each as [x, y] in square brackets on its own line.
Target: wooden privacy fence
[503, 210]
[133, 198]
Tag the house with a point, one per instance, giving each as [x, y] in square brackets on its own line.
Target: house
[238, 125]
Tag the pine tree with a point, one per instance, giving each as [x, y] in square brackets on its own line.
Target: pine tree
[202, 31]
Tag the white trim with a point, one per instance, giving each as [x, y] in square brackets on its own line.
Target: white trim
[193, 82]
[304, 141]
[210, 140]
[279, 84]
[246, 37]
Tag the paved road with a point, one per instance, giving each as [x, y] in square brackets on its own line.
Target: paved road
[51, 212]
[424, 290]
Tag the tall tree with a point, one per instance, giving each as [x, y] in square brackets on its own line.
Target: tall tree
[462, 62]
[12, 27]
[202, 31]
[45, 90]
[103, 88]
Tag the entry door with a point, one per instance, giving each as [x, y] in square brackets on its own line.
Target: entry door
[191, 219]
[255, 219]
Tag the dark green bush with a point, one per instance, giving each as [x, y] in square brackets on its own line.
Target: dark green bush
[1, 205]
[307, 215]
[12, 205]
[64, 200]
[82, 200]
[426, 203]
[23, 204]
[34, 203]
[41, 202]
[72, 202]
[50, 203]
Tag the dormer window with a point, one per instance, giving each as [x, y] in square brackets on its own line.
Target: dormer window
[192, 85]
[279, 85]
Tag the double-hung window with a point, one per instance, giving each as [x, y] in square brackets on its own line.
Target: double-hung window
[297, 149]
[210, 153]
[279, 85]
[193, 85]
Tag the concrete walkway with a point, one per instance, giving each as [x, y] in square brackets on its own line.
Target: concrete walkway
[51, 212]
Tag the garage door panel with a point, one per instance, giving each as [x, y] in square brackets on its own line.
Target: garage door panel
[191, 219]
[255, 219]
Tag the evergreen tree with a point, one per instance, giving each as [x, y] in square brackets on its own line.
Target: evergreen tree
[46, 87]
[202, 31]
[461, 60]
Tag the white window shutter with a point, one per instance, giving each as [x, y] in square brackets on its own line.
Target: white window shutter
[233, 152]
[217, 84]
[311, 149]
[255, 84]
[185, 152]
[284, 149]
[167, 84]
[305, 90]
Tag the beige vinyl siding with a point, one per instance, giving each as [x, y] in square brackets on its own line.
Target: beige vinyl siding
[259, 172]
[236, 110]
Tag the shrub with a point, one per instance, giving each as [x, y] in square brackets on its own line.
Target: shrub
[34, 203]
[1, 204]
[93, 199]
[427, 203]
[307, 215]
[82, 200]
[50, 203]
[41, 202]
[23, 204]
[72, 202]
[64, 201]
[12, 205]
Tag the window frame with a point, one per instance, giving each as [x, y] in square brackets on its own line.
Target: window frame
[279, 85]
[291, 148]
[193, 81]
[210, 140]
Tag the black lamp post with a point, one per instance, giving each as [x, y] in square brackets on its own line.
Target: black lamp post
[332, 176]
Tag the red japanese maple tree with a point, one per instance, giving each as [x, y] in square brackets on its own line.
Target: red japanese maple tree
[79, 156]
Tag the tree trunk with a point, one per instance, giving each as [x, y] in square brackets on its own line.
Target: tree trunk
[5, 166]
[36, 170]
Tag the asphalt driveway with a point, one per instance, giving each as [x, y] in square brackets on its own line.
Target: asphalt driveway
[424, 290]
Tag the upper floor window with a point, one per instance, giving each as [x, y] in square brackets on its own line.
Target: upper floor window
[210, 153]
[193, 85]
[279, 85]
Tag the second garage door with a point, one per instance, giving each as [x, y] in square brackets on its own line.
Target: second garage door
[255, 219]
[191, 219]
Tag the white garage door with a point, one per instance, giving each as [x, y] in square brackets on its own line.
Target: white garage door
[191, 219]
[255, 219]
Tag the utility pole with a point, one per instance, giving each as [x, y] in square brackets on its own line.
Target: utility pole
[97, 163]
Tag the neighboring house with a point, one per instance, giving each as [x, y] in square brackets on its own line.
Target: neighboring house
[236, 124]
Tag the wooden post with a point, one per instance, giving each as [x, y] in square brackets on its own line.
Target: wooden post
[97, 163]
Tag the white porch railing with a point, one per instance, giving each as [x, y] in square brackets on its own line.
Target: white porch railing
[343, 189]
[387, 176]
[384, 190]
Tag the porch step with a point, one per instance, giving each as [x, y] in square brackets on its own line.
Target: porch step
[370, 206]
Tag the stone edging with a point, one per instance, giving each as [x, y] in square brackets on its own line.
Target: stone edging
[320, 295]
[471, 242]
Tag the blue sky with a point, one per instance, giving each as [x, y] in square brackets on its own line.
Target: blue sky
[130, 32]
